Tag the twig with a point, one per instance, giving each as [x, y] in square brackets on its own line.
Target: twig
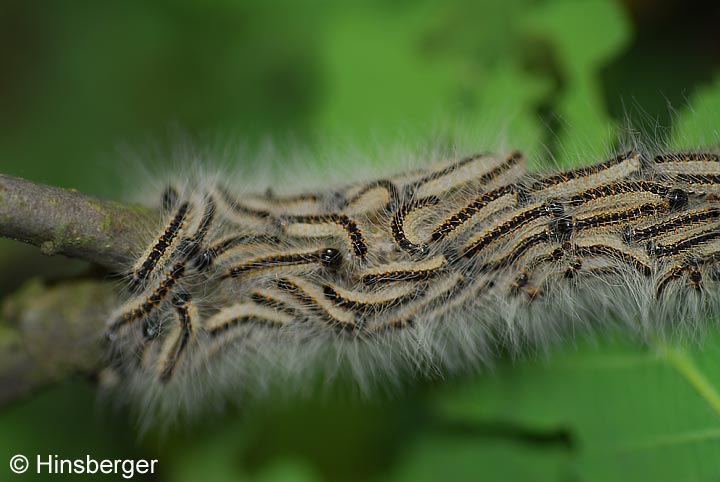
[48, 333]
[60, 221]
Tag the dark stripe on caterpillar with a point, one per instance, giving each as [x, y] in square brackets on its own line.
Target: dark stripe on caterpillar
[328, 257]
[181, 304]
[702, 179]
[160, 247]
[152, 301]
[685, 157]
[170, 198]
[398, 221]
[674, 273]
[692, 265]
[616, 189]
[677, 247]
[443, 291]
[238, 208]
[389, 186]
[514, 159]
[499, 231]
[295, 198]
[354, 233]
[466, 213]
[612, 218]
[581, 172]
[615, 253]
[236, 321]
[365, 303]
[523, 278]
[207, 257]
[519, 249]
[417, 271]
[671, 225]
[263, 298]
[410, 188]
[311, 302]
[189, 247]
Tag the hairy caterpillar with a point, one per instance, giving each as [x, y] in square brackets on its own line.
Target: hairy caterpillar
[435, 269]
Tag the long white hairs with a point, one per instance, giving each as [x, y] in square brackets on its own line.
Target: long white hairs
[433, 269]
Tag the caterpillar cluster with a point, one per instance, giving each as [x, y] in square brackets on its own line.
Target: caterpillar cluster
[435, 269]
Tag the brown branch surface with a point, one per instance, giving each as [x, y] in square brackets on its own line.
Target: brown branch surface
[61, 221]
[50, 332]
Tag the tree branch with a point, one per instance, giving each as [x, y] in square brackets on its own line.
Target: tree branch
[50, 332]
[61, 221]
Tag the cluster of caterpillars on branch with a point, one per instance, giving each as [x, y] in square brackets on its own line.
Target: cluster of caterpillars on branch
[376, 259]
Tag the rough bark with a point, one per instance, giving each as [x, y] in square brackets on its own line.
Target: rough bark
[61, 221]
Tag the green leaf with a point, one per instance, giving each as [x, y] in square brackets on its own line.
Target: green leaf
[631, 412]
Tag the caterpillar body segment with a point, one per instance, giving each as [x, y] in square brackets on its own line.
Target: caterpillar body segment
[157, 254]
[567, 182]
[480, 170]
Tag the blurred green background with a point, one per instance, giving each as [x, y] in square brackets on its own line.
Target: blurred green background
[82, 80]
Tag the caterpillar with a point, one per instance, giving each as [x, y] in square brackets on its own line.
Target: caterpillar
[429, 271]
